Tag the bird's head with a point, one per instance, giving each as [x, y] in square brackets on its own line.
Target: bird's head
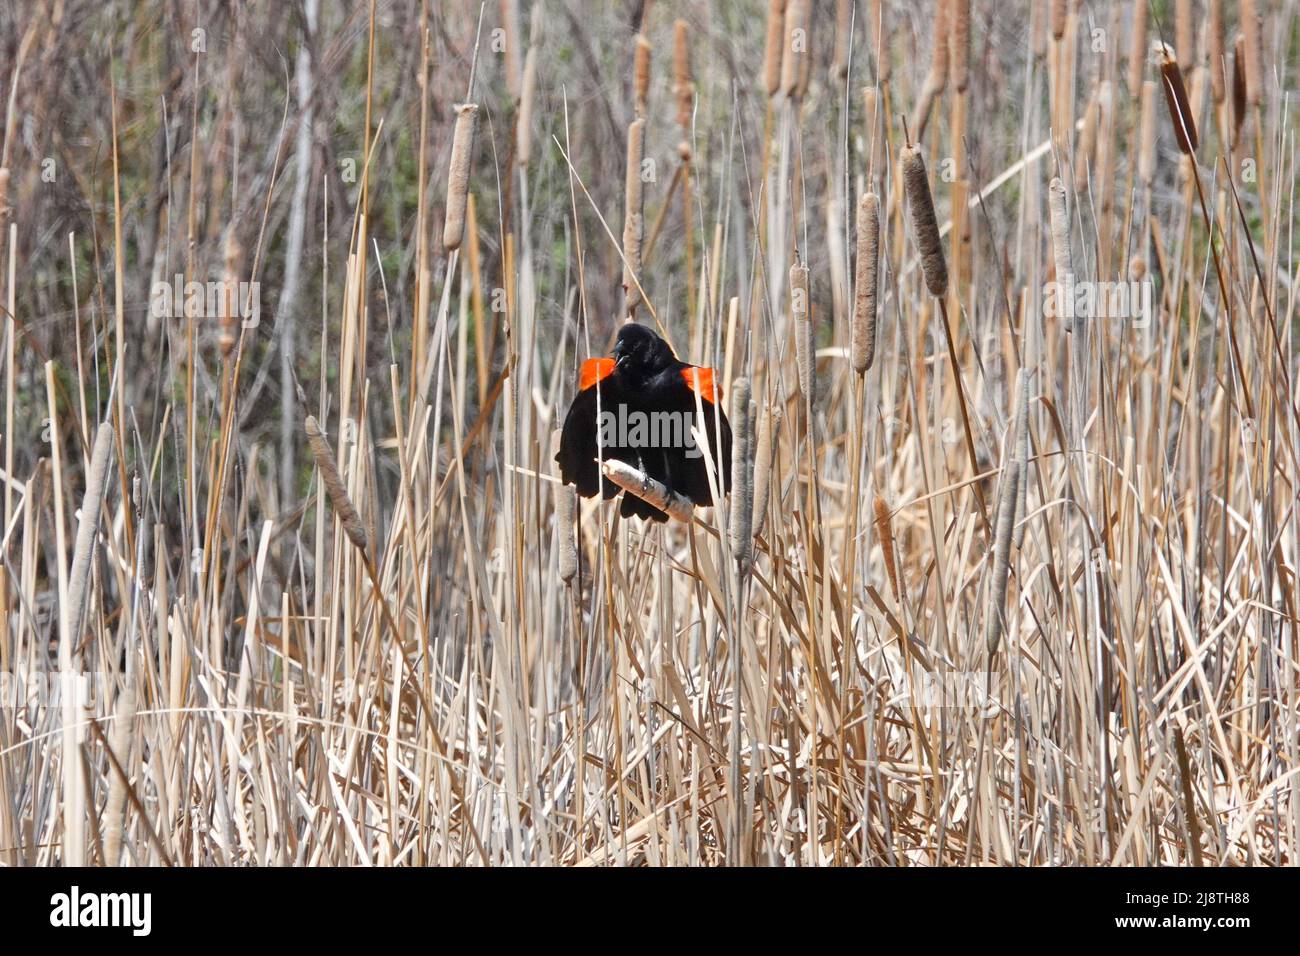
[641, 353]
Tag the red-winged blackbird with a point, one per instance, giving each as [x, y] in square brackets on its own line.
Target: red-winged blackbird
[646, 399]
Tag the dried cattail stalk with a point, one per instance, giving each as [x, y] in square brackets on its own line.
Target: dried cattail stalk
[683, 84]
[769, 428]
[862, 346]
[795, 50]
[1250, 31]
[885, 532]
[514, 44]
[353, 526]
[772, 49]
[1179, 107]
[641, 74]
[1147, 150]
[801, 309]
[87, 529]
[566, 500]
[1137, 55]
[524, 122]
[636, 482]
[925, 226]
[1137, 269]
[742, 473]
[1218, 82]
[462, 145]
[1060, 14]
[959, 47]
[1060, 224]
[4, 194]
[633, 218]
[1001, 555]
[1184, 34]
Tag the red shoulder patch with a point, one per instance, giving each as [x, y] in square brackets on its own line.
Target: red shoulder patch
[700, 379]
[593, 371]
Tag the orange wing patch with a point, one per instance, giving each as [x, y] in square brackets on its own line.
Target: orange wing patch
[593, 371]
[700, 379]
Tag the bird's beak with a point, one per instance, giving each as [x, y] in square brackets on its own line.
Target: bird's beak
[622, 360]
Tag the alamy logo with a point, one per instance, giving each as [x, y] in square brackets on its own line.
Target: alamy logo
[626, 428]
[76, 909]
[214, 299]
[1100, 300]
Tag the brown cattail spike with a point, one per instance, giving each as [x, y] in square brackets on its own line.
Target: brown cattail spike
[1251, 33]
[885, 532]
[348, 517]
[641, 74]
[524, 122]
[462, 146]
[1059, 219]
[773, 48]
[633, 219]
[769, 428]
[863, 341]
[1218, 51]
[960, 44]
[795, 50]
[1171, 77]
[925, 226]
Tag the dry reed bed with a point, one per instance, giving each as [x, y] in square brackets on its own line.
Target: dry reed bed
[423, 661]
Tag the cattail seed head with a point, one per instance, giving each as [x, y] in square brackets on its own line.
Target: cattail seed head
[87, 530]
[801, 309]
[1137, 269]
[462, 145]
[795, 49]
[683, 84]
[1250, 31]
[742, 474]
[514, 46]
[960, 44]
[1171, 77]
[524, 122]
[566, 500]
[1059, 218]
[633, 219]
[1137, 55]
[880, 42]
[1060, 14]
[1238, 87]
[863, 341]
[769, 428]
[641, 74]
[230, 304]
[997, 594]
[885, 532]
[1218, 51]
[773, 48]
[925, 226]
[335, 487]
[1184, 33]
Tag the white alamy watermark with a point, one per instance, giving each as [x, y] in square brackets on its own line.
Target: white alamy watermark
[952, 690]
[1080, 298]
[214, 299]
[629, 428]
[75, 908]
